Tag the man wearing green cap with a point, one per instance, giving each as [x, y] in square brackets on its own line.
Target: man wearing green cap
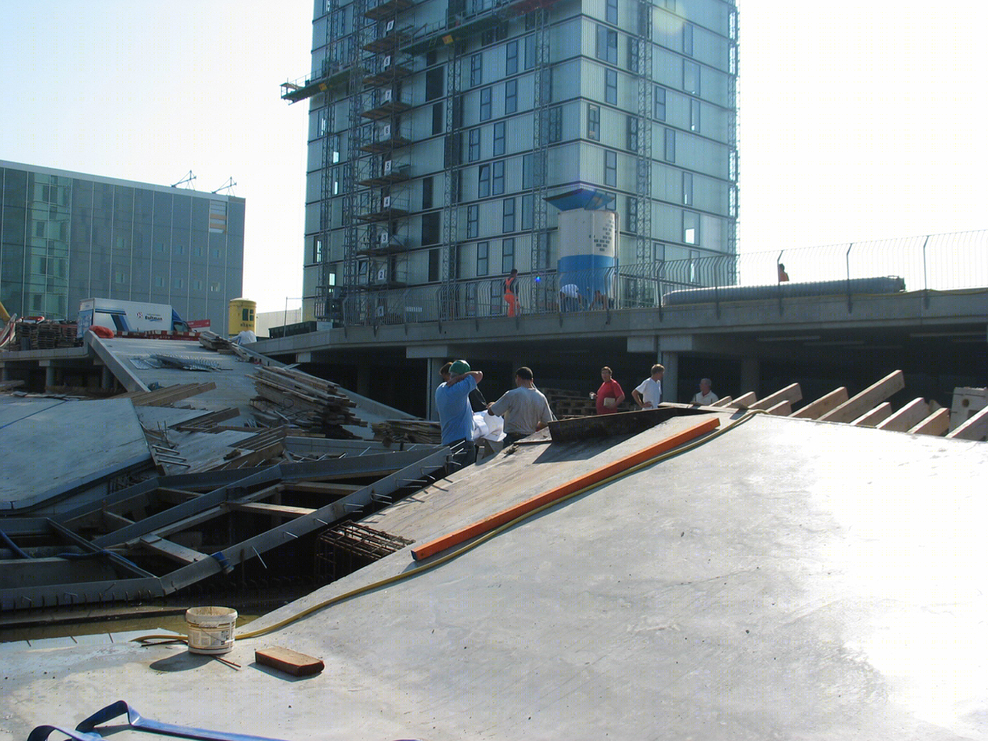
[455, 413]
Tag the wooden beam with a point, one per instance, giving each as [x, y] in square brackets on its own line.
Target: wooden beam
[722, 402]
[321, 487]
[976, 428]
[860, 403]
[909, 416]
[114, 521]
[280, 510]
[822, 405]
[175, 496]
[782, 409]
[171, 550]
[791, 393]
[936, 424]
[873, 416]
[744, 401]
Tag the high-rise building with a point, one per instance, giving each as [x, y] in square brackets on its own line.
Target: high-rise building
[453, 140]
[67, 236]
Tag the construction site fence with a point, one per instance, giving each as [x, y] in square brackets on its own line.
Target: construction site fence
[941, 262]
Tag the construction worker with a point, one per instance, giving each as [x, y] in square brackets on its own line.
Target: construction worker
[511, 292]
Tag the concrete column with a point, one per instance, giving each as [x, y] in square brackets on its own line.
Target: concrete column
[750, 375]
[431, 381]
[49, 376]
[363, 381]
[670, 381]
[106, 379]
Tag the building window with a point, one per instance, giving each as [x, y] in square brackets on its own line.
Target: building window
[179, 249]
[527, 171]
[632, 217]
[511, 58]
[119, 277]
[611, 13]
[159, 281]
[197, 251]
[473, 145]
[691, 77]
[732, 165]
[483, 257]
[508, 215]
[556, 124]
[610, 168]
[687, 188]
[691, 227]
[197, 285]
[485, 104]
[659, 104]
[593, 122]
[159, 246]
[606, 49]
[430, 228]
[438, 118]
[473, 213]
[499, 136]
[632, 134]
[510, 96]
[476, 70]
[529, 52]
[694, 114]
[483, 181]
[527, 212]
[732, 202]
[497, 186]
[434, 80]
[178, 283]
[214, 287]
[671, 4]
[433, 266]
[688, 39]
[216, 252]
[507, 255]
[658, 252]
[670, 148]
[610, 86]
[426, 193]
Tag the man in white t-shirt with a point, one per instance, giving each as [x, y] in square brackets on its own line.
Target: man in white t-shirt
[706, 397]
[648, 393]
[524, 408]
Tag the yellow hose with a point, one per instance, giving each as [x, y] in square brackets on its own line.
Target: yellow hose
[473, 544]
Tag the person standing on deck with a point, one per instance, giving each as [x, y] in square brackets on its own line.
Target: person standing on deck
[455, 414]
[511, 292]
[610, 394]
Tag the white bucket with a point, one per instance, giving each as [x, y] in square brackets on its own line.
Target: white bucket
[211, 629]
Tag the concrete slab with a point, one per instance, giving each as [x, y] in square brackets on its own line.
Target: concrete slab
[51, 446]
[788, 579]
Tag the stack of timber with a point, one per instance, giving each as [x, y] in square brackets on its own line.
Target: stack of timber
[287, 396]
[212, 341]
[166, 396]
[394, 431]
[45, 335]
[565, 403]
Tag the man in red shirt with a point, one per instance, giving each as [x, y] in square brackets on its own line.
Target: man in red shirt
[610, 395]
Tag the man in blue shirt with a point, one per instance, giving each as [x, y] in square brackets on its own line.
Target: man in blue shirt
[455, 413]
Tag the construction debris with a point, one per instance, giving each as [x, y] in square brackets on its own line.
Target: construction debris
[288, 396]
[396, 431]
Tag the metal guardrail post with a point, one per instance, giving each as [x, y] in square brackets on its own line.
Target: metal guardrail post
[847, 264]
[926, 288]
[778, 278]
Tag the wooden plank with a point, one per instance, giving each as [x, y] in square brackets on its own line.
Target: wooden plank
[791, 393]
[164, 397]
[873, 416]
[319, 487]
[936, 424]
[606, 425]
[782, 409]
[209, 420]
[976, 428]
[114, 521]
[860, 403]
[822, 405]
[909, 416]
[722, 402]
[288, 661]
[175, 496]
[263, 508]
[744, 401]
[171, 550]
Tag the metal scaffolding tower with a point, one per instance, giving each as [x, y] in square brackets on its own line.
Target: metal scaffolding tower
[540, 159]
[643, 169]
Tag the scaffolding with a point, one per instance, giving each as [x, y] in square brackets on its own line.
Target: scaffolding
[643, 164]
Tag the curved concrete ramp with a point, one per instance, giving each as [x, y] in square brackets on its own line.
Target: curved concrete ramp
[789, 579]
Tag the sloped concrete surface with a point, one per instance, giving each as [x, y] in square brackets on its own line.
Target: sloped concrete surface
[48, 446]
[789, 579]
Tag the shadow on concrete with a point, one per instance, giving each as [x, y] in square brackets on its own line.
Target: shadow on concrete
[181, 662]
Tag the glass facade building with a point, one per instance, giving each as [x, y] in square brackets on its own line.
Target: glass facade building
[67, 236]
[441, 129]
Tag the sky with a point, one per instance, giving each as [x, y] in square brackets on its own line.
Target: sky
[858, 121]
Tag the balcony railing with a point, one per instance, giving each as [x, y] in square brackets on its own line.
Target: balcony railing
[942, 262]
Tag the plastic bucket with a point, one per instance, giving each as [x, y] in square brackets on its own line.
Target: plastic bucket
[211, 629]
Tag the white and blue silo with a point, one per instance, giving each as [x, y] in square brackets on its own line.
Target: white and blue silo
[587, 243]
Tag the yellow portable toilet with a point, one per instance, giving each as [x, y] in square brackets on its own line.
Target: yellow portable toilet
[242, 315]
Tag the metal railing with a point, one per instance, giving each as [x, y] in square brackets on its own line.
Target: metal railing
[939, 262]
